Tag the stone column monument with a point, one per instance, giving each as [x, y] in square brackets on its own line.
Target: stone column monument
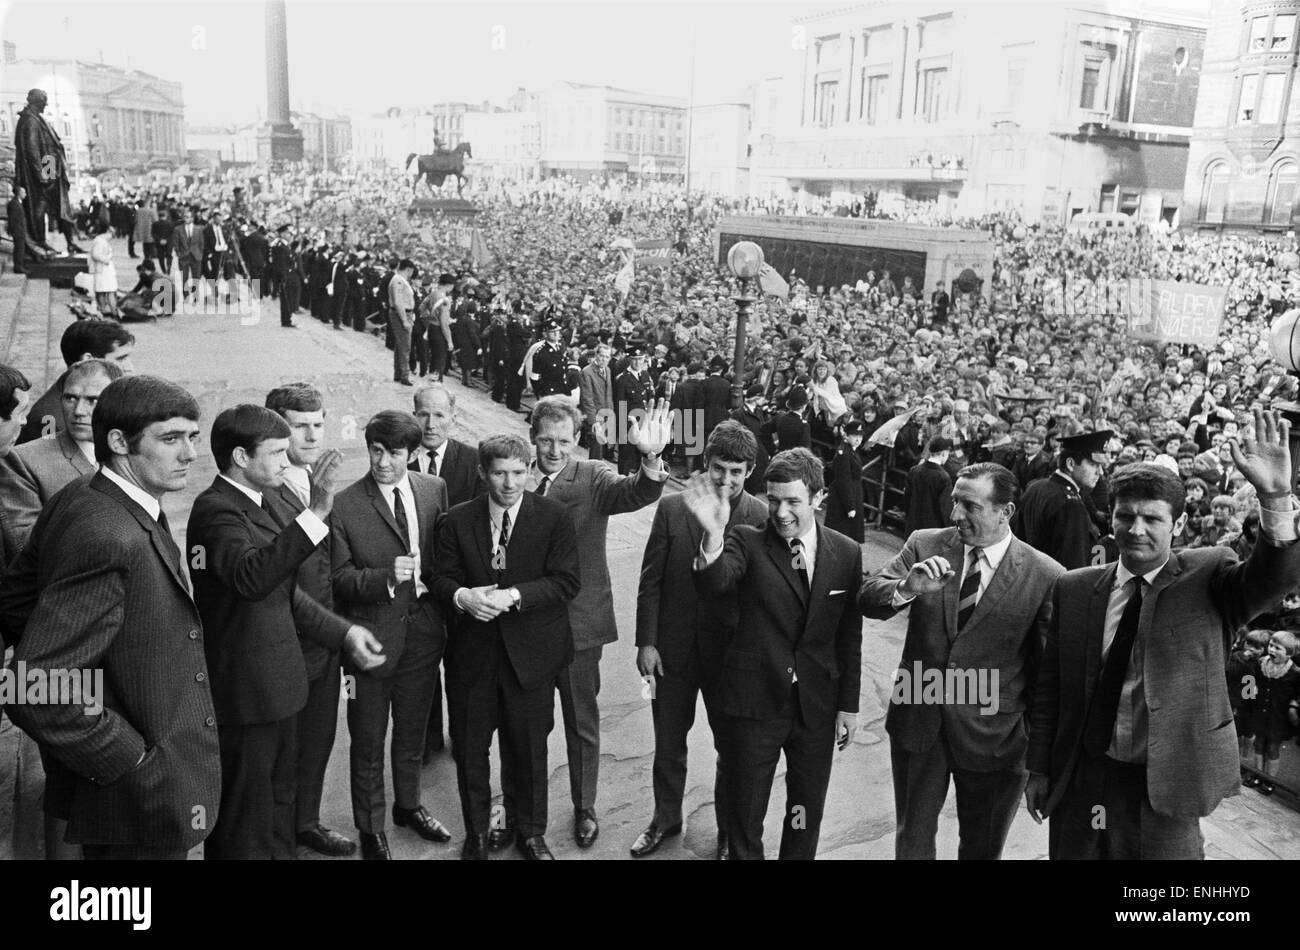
[278, 140]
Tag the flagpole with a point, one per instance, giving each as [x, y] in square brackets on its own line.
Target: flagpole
[690, 120]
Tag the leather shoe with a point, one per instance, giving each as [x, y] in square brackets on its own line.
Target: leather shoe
[534, 848]
[375, 847]
[323, 841]
[422, 823]
[475, 848]
[585, 828]
[500, 838]
[724, 847]
[650, 840]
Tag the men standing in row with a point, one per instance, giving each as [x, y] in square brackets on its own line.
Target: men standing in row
[1054, 517]
[383, 536]
[681, 637]
[590, 493]
[508, 563]
[100, 586]
[980, 601]
[792, 671]
[1131, 711]
[247, 555]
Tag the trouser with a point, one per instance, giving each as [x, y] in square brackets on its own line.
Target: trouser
[130, 244]
[259, 778]
[673, 711]
[439, 352]
[338, 309]
[986, 803]
[20, 249]
[514, 386]
[164, 259]
[433, 736]
[317, 726]
[401, 349]
[754, 748]
[499, 381]
[189, 273]
[419, 360]
[289, 300]
[477, 707]
[1106, 814]
[405, 696]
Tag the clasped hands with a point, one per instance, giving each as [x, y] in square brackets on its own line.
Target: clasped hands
[486, 603]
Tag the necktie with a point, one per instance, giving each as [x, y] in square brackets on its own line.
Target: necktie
[505, 530]
[433, 464]
[170, 543]
[544, 484]
[1105, 701]
[399, 513]
[799, 563]
[970, 588]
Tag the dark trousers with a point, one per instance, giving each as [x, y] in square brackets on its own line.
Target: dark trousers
[479, 707]
[405, 696]
[986, 803]
[189, 272]
[1106, 815]
[673, 711]
[338, 307]
[514, 386]
[132, 852]
[317, 726]
[439, 352]
[433, 735]
[499, 381]
[754, 748]
[289, 300]
[164, 259]
[259, 777]
[401, 351]
[20, 248]
[419, 361]
[130, 244]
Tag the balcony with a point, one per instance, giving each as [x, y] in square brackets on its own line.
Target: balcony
[1092, 121]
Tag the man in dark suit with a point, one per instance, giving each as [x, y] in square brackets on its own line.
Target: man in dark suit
[383, 533]
[681, 637]
[187, 241]
[844, 508]
[508, 563]
[753, 417]
[16, 225]
[980, 602]
[100, 585]
[81, 340]
[596, 400]
[303, 408]
[256, 252]
[221, 257]
[791, 673]
[632, 390]
[927, 496]
[591, 493]
[687, 403]
[286, 274]
[457, 465]
[1053, 516]
[717, 396]
[249, 551]
[790, 429]
[161, 233]
[1131, 710]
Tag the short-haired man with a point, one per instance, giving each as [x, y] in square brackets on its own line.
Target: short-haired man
[247, 550]
[511, 640]
[1131, 711]
[100, 585]
[401, 318]
[979, 602]
[681, 637]
[1053, 516]
[596, 391]
[32, 473]
[383, 532]
[791, 673]
[83, 340]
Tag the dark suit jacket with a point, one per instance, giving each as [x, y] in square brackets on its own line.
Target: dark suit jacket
[48, 407]
[245, 585]
[459, 471]
[98, 587]
[32, 473]
[314, 579]
[1189, 615]
[256, 250]
[591, 493]
[1005, 633]
[188, 248]
[541, 561]
[717, 402]
[783, 631]
[670, 615]
[365, 540]
[927, 500]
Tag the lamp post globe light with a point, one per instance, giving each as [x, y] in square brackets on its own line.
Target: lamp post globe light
[1284, 346]
[745, 259]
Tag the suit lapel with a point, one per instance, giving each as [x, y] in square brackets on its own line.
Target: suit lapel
[254, 513]
[380, 505]
[483, 533]
[780, 554]
[1001, 582]
[955, 554]
[821, 584]
[74, 455]
[1096, 628]
[163, 543]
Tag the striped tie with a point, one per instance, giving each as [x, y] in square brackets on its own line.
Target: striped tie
[970, 588]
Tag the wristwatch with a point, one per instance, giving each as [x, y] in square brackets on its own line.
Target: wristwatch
[515, 596]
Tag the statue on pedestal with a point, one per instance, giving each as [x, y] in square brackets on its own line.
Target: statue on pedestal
[41, 169]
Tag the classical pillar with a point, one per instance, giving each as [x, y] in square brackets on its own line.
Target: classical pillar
[278, 140]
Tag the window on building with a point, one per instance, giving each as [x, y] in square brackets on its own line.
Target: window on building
[1270, 98]
[1091, 83]
[1282, 193]
[875, 43]
[1246, 100]
[1129, 201]
[1109, 196]
[828, 50]
[931, 93]
[1258, 34]
[824, 105]
[1015, 82]
[1283, 32]
[872, 105]
[933, 35]
[1214, 193]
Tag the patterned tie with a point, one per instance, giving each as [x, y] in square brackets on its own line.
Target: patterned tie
[970, 588]
[799, 563]
[505, 530]
[399, 512]
[544, 484]
[1105, 701]
[499, 558]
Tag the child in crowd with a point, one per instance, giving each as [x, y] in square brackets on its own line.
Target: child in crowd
[1242, 688]
[1221, 524]
[1276, 703]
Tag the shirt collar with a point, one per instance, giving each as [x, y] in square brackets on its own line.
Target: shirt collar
[1060, 474]
[1123, 575]
[494, 510]
[256, 496]
[137, 494]
[994, 553]
[404, 483]
[87, 449]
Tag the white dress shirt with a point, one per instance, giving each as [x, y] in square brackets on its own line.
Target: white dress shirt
[412, 525]
[430, 461]
[88, 450]
[137, 494]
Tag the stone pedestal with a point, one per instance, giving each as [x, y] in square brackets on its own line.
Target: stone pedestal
[278, 144]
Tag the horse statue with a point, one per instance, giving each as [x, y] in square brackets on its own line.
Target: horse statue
[435, 168]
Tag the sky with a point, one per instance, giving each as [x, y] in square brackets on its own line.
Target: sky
[358, 58]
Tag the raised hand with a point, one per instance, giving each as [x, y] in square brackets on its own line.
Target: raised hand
[710, 506]
[324, 475]
[1265, 460]
[926, 576]
[655, 432]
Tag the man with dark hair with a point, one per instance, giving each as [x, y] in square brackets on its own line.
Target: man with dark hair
[1131, 712]
[249, 549]
[1053, 516]
[100, 585]
[511, 640]
[791, 673]
[302, 407]
[83, 340]
[681, 636]
[986, 618]
[927, 497]
[633, 391]
[383, 532]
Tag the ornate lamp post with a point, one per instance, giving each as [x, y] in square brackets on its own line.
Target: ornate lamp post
[345, 208]
[745, 260]
[1284, 345]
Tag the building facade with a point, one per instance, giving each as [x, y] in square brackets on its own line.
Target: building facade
[595, 131]
[719, 148]
[1244, 164]
[1055, 111]
[108, 118]
[507, 145]
[386, 139]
